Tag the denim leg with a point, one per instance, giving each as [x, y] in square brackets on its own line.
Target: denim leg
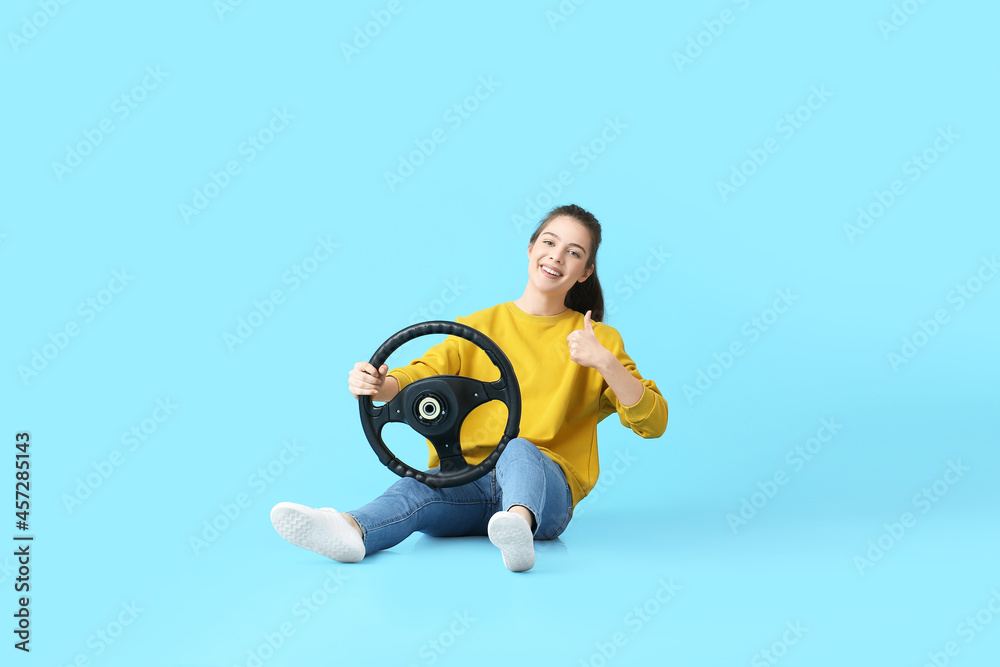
[408, 506]
[529, 478]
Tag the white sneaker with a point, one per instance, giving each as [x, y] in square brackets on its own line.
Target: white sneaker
[512, 535]
[321, 530]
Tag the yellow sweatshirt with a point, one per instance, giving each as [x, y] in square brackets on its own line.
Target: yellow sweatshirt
[561, 401]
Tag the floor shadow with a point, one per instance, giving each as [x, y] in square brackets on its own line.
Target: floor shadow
[425, 543]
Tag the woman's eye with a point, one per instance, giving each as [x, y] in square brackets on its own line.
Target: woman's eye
[574, 253]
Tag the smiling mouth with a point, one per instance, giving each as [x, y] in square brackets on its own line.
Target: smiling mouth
[549, 271]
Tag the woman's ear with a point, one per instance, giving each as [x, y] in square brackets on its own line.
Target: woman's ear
[587, 274]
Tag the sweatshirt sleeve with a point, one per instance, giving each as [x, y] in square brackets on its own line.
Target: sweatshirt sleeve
[648, 417]
[442, 359]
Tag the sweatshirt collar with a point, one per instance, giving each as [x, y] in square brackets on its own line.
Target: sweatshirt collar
[541, 319]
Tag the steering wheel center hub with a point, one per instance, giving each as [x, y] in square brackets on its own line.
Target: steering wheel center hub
[431, 409]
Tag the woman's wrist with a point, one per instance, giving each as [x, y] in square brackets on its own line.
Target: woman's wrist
[609, 364]
[388, 390]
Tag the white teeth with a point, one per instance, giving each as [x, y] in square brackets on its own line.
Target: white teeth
[551, 271]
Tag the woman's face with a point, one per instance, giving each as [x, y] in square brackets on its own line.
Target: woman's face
[558, 258]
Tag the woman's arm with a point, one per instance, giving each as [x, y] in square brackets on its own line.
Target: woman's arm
[390, 387]
[645, 412]
[626, 387]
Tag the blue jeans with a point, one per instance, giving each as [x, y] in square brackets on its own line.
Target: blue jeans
[523, 476]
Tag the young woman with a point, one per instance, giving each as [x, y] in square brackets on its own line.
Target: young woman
[573, 372]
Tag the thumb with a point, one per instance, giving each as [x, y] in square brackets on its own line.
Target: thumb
[383, 369]
[587, 324]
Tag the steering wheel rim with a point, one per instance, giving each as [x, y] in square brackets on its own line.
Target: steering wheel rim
[436, 407]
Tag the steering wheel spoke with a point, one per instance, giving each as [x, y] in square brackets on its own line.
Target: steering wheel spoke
[380, 415]
[393, 411]
[449, 451]
[470, 394]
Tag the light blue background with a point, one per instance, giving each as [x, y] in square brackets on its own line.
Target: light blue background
[450, 232]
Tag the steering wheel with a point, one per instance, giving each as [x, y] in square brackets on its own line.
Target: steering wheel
[436, 406]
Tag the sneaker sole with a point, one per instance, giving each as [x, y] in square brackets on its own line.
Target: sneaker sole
[511, 535]
[303, 531]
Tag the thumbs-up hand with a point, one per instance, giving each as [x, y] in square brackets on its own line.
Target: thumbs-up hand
[584, 348]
